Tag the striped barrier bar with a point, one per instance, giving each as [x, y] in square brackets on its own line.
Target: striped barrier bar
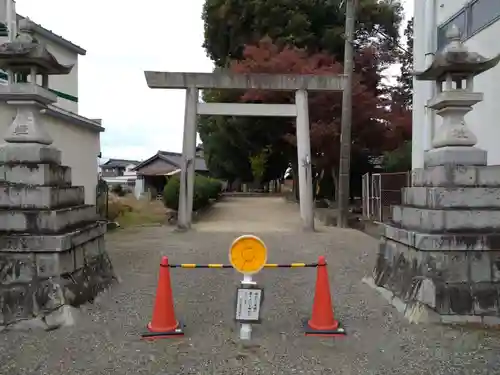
[271, 265]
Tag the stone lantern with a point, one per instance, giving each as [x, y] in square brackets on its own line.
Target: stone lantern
[439, 256]
[27, 57]
[453, 71]
[52, 253]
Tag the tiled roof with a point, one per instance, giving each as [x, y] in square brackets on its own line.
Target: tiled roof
[114, 163]
[175, 159]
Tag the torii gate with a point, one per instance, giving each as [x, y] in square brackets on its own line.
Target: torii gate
[193, 82]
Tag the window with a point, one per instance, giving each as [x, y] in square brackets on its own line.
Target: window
[459, 21]
[483, 12]
[472, 18]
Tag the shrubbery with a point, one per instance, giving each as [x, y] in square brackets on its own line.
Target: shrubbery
[204, 189]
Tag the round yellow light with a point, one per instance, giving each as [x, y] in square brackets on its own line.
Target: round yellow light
[248, 254]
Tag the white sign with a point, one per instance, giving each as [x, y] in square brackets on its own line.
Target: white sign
[248, 304]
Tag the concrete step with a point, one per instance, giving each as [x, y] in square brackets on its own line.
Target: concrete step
[43, 197]
[440, 221]
[35, 174]
[442, 197]
[46, 221]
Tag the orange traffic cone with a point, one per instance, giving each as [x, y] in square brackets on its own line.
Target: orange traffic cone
[322, 322]
[164, 324]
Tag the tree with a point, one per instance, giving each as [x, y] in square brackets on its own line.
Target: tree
[314, 26]
[371, 120]
[404, 89]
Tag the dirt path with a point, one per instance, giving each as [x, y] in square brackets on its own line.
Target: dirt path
[251, 214]
[106, 338]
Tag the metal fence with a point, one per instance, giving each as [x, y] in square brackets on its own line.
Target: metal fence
[380, 191]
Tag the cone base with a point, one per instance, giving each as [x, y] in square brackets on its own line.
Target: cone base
[178, 331]
[309, 331]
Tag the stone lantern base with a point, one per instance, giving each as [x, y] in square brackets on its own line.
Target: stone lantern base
[439, 257]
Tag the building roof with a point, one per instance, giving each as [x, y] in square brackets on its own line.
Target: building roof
[117, 163]
[175, 159]
[53, 37]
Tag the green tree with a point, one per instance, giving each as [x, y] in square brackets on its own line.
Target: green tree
[398, 160]
[314, 25]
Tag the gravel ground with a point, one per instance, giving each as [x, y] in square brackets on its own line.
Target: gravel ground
[106, 337]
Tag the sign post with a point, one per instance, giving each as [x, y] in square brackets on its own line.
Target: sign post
[248, 255]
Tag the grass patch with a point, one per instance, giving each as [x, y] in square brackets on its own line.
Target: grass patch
[130, 212]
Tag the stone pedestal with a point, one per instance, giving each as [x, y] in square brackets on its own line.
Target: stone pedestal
[439, 258]
[52, 252]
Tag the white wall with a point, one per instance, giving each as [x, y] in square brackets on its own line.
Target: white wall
[483, 120]
[67, 84]
[79, 148]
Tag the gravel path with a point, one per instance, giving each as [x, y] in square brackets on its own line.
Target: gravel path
[106, 338]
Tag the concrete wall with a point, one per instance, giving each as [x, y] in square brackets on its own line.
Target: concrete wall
[483, 120]
[79, 147]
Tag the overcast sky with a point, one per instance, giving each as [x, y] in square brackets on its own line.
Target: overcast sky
[122, 39]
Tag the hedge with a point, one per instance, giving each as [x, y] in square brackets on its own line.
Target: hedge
[204, 189]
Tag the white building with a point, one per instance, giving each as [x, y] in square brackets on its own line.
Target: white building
[478, 21]
[76, 136]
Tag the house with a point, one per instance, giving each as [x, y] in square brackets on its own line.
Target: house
[152, 173]
[118, 167]
[119, 172]
[479, 23]
[76, 136]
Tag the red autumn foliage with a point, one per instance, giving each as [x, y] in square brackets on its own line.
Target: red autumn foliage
[374, 127]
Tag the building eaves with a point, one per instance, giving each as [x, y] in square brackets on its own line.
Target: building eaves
[57, 39]
[73, 118]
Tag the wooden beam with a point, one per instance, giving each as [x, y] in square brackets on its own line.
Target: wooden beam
[228, 80]
[247, 109]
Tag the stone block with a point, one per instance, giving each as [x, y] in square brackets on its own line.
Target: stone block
[445, 176]
[486, 298]
[55, 264]
[93, 249]
[450, 267]
[488, 176]
[480, 266]
[444, 241]
[427, 293]
[35, 174]
[495, 265]
[16, 268]
[460, 319]
[442, 197]
[437, 221]
[16, 303]
[79, 256]
[22, 242]
[52, 221]
[29, 153]
[491, 321]
[43, 197]
[456, 155]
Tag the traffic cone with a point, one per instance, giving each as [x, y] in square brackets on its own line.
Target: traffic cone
[163, 324]
[322, 322]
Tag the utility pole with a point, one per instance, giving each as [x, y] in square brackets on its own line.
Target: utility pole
[345, 135]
